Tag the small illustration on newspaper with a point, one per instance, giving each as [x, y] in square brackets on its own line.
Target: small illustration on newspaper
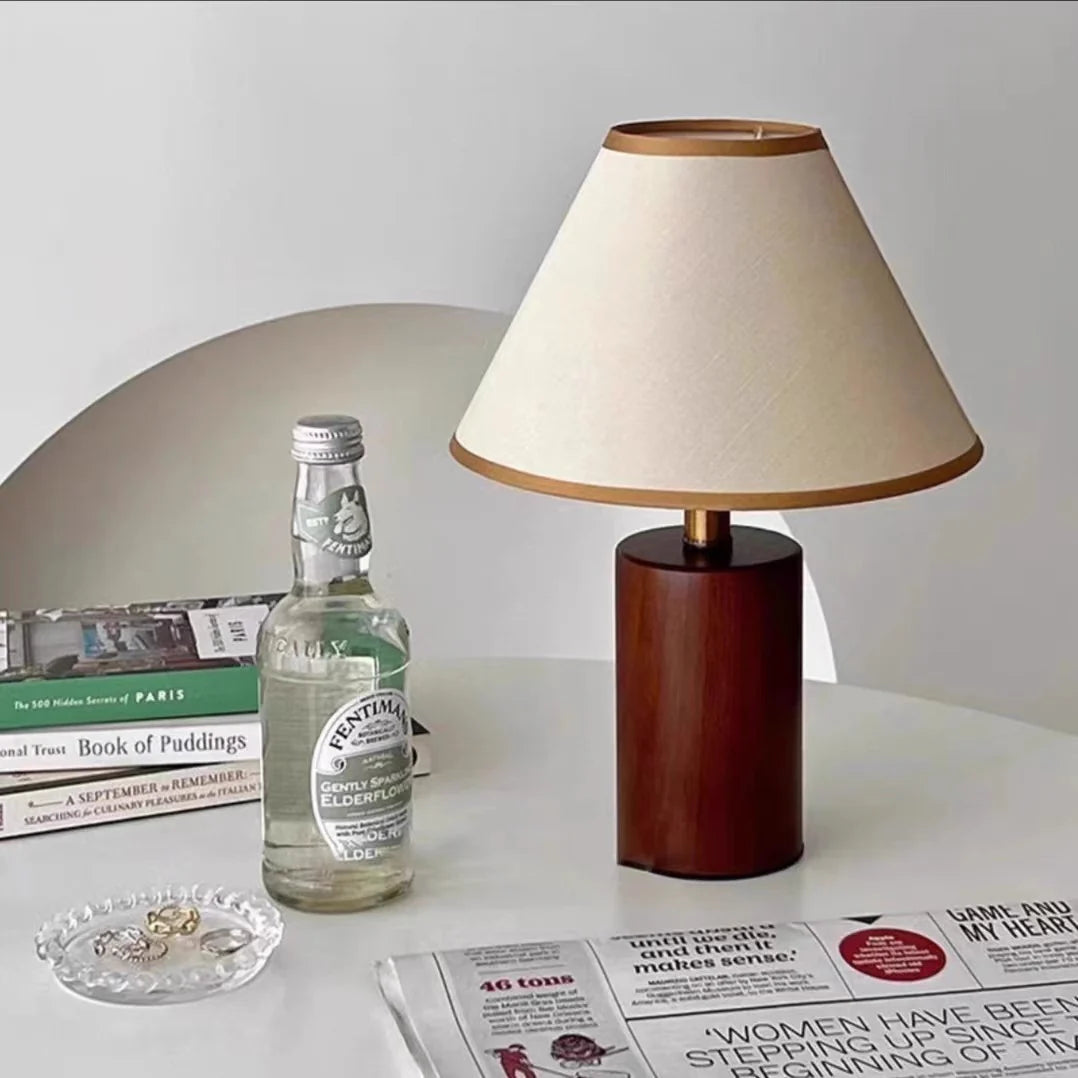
[974, 990]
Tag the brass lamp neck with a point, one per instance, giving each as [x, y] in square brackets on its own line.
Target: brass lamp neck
[706, 527]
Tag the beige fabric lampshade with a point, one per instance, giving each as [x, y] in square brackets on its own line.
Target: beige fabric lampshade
[714, 327]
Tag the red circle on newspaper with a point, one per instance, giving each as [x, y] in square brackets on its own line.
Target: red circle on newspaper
[892, 954]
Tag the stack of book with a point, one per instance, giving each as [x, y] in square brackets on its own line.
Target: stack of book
[112, 713]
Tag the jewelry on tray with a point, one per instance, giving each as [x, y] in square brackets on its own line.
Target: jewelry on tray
[224, 941]
[129, 944]
[173, 921]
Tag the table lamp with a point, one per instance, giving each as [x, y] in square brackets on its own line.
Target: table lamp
[713, 328]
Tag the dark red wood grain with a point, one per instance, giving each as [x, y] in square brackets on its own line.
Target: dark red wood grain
[709, 704]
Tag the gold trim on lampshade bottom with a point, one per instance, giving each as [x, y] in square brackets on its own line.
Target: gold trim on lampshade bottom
[685, 499]
[714, 138]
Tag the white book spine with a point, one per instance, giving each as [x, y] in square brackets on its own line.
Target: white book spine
[126, 797]
[171, 745]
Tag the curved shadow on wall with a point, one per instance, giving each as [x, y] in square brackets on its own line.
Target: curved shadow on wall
[177, 484]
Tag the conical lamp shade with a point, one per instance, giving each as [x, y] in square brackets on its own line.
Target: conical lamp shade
[715, 327]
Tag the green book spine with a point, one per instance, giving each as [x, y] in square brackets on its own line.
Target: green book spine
[162, 694]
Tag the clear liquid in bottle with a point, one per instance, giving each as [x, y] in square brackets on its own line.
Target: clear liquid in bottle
[333, 659]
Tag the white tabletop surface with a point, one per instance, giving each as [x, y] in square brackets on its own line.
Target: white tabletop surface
[910, 805]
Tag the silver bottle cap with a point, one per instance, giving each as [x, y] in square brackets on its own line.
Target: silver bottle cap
[327, 439]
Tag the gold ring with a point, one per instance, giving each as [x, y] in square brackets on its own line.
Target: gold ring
[173, 921]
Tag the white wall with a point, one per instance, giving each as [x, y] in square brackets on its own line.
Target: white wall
[172, 171]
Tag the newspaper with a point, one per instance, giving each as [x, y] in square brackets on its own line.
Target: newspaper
[973, 990]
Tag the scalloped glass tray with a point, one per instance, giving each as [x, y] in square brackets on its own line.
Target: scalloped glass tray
[192, 967]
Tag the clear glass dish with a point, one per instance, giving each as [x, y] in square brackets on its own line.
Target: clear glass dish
[235, 934]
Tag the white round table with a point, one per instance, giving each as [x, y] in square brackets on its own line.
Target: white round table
[911, 805]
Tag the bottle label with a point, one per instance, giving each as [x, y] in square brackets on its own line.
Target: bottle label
[338, 524]
[361, 777]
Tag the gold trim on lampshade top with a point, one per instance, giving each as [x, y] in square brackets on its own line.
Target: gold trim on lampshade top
[703, 138]
[714, 327]
[687, 499]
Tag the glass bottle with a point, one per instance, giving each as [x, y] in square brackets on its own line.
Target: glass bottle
[336, 756]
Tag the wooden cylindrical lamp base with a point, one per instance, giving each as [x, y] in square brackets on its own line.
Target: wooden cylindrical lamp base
[709, 703]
